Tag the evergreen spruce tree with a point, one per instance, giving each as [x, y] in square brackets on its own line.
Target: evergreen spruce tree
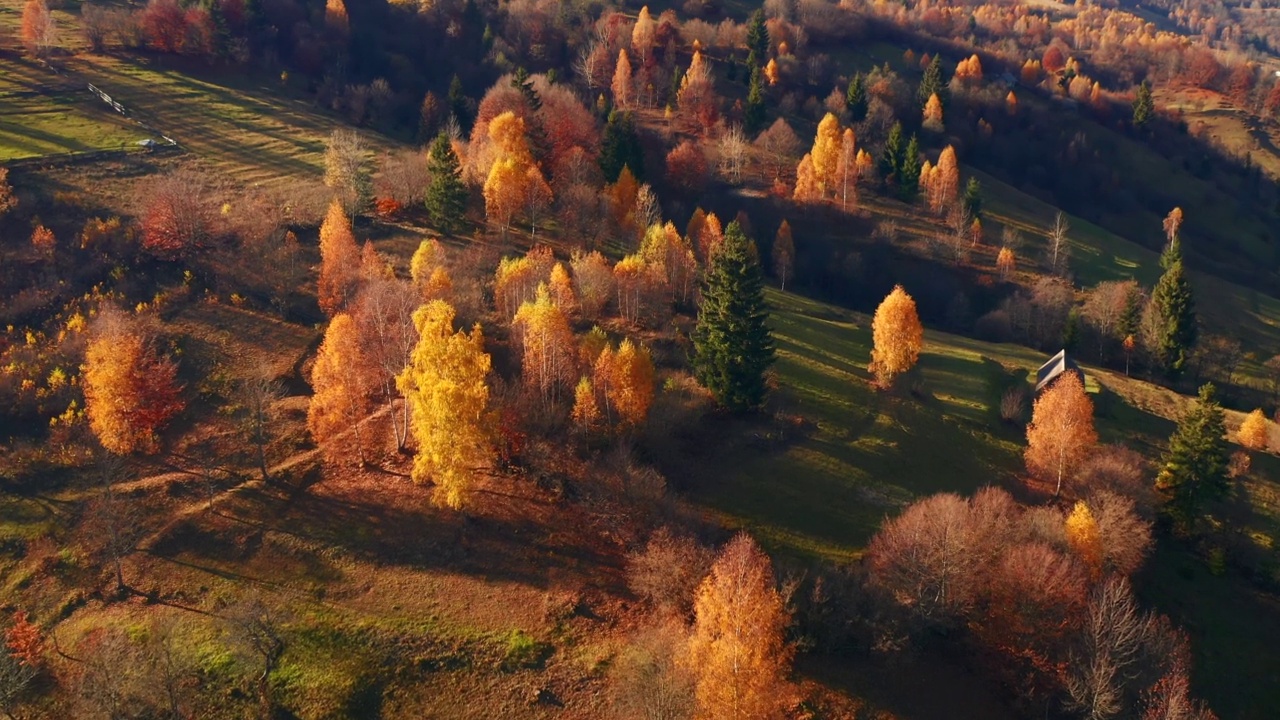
[1144, 108]
[458, 103]
[1071, 332]
[1130, 323]
[891, 156]
[909, 171]
[932, 83]
[757, 40]
[1195, 465]
[731, 343]
[973, 197]
[520, 81]
[753, 118]
[1175, 307]
[446, 193]
[855, 98]
[621, 147]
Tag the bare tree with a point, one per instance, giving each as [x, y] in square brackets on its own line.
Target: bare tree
[667, 571]
[258, 628]
[384, 315]
[346, 170]
[111, 520]
[404, 177]
[779, 145]
[1112, 641]
[1058, 249]
[647, 680]
[257, 393]
[732, 150]
[15, 677]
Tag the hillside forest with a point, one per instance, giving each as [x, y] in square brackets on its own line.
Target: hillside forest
[710, 360]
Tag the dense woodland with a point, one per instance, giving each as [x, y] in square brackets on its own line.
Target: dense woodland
[263, 444]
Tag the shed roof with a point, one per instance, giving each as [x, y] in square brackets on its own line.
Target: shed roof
[1057, 365]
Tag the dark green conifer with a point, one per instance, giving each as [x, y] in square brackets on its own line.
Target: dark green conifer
[520, 81]
[446, 194]
[621, 147]
[1175, 307]
[855, 98]
[933, 82]
[973, 198]
[1195, 466]
[909, 171]
[891, 156]
[757, 39]
[1144, 108]
[753, 118]
[731, 343]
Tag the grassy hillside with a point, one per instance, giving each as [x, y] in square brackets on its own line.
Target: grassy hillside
[865, 455]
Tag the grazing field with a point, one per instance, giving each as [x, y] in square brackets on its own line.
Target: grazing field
[863, 455]
[44, 114]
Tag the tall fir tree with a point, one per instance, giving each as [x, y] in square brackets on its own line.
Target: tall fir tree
[446, 193]
[458, 104]
[757, 40]
[909, 171]
[891, 156]
[731, 343]
[753, 118]
[520, 81]
[855, 98]
[1144, 108]
[973, 198]
[1175, 307]
[933, 83]
[621, 147]
[1195, 466]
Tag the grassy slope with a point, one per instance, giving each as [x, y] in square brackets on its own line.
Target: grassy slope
[868, 454]
[43, 114]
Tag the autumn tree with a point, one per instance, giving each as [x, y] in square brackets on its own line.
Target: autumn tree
[446, 194]
[38, 31]
[347, 172]
[807, 189]
[446, 383]
[593, 280]
[1174, 313]
[732, 346]
[738, 652]
[130, 389]
[643, 33]
[687, 168]
[384, 323]
[1254, 432]
[586, 415]
[1006, 263]
[8, 200]
[897, 335]
[846, 178]
[621, 85]
[1194, 467]
[784, 254]
[825, 154]
[560, 285]
[428, 258]
[1084, 537]
[945, 188]
[339, 262]
[549, 354]
[1058, 236]
[340, 386]
[43, 240]
[932, 115]
[1061, 434]
[175, 214]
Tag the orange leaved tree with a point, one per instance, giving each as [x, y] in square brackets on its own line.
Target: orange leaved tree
[738, 652]
[342, 382]
[1084, 537]
[1061, 432]
[340, 261]
[897, 335]
[447, 385]
[130, 390]
[1254, 432]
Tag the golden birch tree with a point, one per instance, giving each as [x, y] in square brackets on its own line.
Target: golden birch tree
[130, 390]
[1061, 432]
[738, 653]
[897, 336]
[826, 153]
[1254, 431]
[447, 386]
[1083, 536]
[549, 353]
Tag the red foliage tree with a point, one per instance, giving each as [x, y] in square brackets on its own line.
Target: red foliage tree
[165, 25]
[687, 169]
[25, 640]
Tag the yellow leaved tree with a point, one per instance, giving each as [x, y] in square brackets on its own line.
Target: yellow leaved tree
[549, 353]
[897, 335]
[738, 653]
[1254, 431]
[1085, 538]
[446, 383]
[130, 390]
